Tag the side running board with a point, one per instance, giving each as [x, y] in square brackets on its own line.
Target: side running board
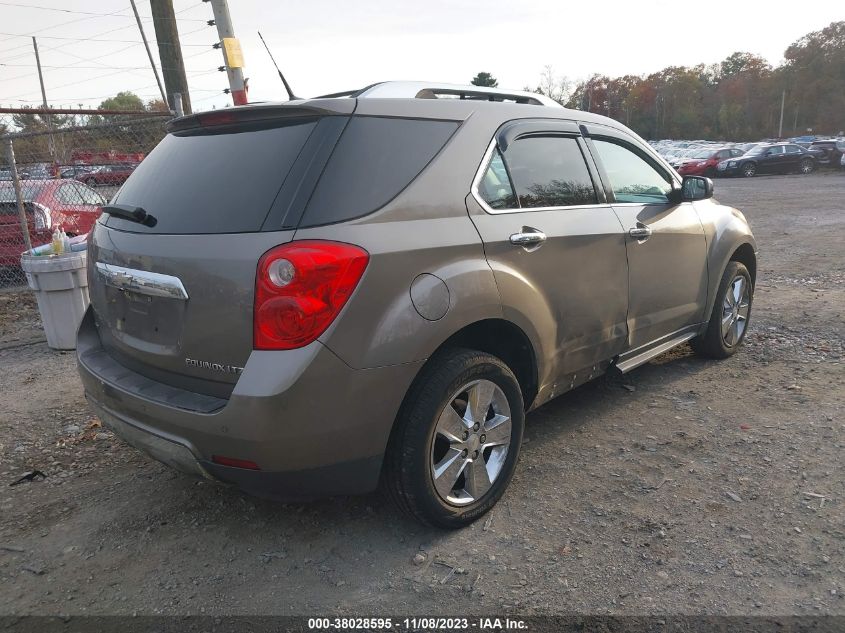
[626, 365]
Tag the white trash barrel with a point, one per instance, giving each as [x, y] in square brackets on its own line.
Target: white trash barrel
[60, 283]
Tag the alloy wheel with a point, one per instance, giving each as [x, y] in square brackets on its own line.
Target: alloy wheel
[735, 310]
[471, 442]
[749, 170]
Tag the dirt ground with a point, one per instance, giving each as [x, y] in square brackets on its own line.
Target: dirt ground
[686, 487]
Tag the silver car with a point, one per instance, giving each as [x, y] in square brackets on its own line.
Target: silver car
[316, 297]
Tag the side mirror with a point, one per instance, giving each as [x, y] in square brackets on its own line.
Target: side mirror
[696, 188]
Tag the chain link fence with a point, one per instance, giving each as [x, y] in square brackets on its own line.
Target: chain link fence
[58, 168]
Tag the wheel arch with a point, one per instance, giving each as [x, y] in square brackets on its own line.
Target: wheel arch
[500, 338]
[744, 254]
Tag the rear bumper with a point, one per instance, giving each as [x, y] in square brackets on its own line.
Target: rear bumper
[313, 425]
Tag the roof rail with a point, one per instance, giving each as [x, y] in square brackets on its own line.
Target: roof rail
[431, 90]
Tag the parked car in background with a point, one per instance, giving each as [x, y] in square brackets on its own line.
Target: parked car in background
[73, 171]
[829, 151]
[108, 174]
[704, 161]
[373, 292]
[47, 203]
[769, 158]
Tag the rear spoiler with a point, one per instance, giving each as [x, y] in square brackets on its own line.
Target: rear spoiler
[263, 113]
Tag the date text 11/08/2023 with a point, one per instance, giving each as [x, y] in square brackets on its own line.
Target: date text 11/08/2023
[417, 623]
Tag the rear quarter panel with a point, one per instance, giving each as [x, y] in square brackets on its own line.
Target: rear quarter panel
[425, 229]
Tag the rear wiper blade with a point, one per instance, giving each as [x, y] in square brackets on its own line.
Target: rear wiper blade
[133, 214]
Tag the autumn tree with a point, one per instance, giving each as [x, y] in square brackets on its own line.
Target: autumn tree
[738, 98]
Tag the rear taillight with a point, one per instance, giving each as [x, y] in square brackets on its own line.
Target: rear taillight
[300, 288]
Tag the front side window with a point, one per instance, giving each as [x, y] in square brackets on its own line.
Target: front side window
[793, 149]
[549, 171]
[776, 150]
[631, 177]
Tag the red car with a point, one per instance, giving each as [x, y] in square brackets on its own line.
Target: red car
[47, 203]
[108, 174]
[704, 162]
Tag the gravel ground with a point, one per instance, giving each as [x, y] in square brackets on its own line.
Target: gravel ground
[686, 487]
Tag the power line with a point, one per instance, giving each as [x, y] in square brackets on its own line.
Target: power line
[103, 76]
[120, 28]
[75, 67]
[93, 14]
[34, 6]
[75, 39]
[83, 19]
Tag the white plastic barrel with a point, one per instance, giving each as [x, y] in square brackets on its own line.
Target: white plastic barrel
[61, 288]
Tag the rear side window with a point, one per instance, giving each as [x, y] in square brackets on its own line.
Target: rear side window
[214, 182]
[549, 171]
[495, 186]
[374, 160]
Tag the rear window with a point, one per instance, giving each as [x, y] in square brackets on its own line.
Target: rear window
[375, 159]
[212, 182]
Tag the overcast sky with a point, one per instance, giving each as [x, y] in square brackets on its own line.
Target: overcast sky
[329, 45]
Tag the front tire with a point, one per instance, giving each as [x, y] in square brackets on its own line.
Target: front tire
[457, 439]
[730, 317]
[807, 166]
[749, 170]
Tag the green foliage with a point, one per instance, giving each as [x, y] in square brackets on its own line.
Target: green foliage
[485, 79]
[123, 101]
[737, 99]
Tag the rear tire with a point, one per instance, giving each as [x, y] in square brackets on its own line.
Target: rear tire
[443, 466]
[730, 317]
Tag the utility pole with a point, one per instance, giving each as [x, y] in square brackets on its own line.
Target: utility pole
[170, 52]
[51, 142]
[231, 51]
[149, 52]
[782, 101]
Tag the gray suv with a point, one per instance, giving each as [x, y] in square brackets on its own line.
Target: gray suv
[315, 297]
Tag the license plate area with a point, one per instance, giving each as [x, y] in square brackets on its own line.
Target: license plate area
[138, 317]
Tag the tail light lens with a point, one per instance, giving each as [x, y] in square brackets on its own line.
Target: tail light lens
[300, 288]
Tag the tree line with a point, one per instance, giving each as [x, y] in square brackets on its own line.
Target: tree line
[738, 99]
[94, 133]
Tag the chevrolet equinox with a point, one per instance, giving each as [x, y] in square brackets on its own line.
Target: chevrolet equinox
[315, 297]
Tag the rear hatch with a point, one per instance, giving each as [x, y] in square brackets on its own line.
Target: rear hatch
[173, 298]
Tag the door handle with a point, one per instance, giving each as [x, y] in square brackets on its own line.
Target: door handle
[640, 232]
[529, 238]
